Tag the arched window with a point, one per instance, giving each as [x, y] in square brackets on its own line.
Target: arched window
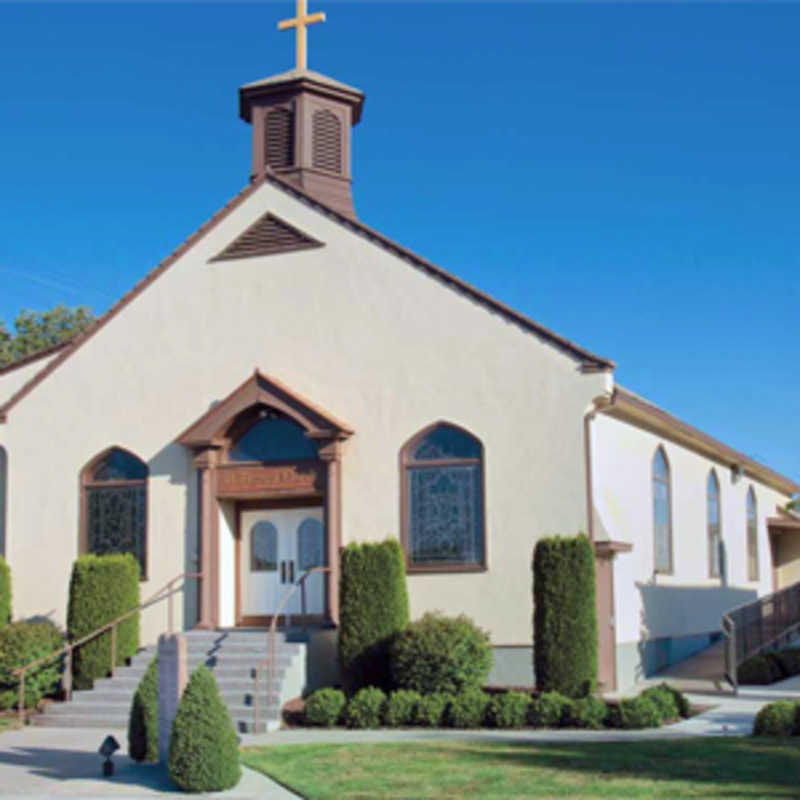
[713, 523]
[662, 513]
[443, 508]
[3, 491]
[263, 547]
[268, 435]
[752, 536]
[310, 545]
[115, 505]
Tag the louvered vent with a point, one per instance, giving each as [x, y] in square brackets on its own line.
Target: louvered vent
[266, 237]
[326, 141]
[279, 137]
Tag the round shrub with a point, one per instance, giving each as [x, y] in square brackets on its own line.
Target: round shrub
[5, 591]
[759, 670]
[776, 719]
[548, 709]
[679, 698]
[324, 707]
[509, 710]
[788, 661]
[20, 644]
[203, 745]
[664, 701]
[431, 709]
[639, 712]
[365, 709]
[585, 712]
[143, 720]
[401, 708]
[441, 654]
[468, 709]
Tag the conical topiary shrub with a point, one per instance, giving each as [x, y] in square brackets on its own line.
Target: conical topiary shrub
[203, 746]
[143, 721]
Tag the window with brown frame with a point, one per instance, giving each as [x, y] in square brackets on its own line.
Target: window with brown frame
[662, 513]
[752, 536]
[114, 489]
[443, 502]
[714, 528]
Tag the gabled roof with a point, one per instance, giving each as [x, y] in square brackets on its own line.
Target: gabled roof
[589, 361]
[30, 359]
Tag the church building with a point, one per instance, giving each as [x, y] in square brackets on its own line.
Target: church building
[290, 380]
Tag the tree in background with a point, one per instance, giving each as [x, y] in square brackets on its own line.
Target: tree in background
[38, 330]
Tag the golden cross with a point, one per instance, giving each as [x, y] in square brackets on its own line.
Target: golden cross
[300, 22]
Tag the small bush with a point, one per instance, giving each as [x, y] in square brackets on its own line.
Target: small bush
[203, 745]
[101, 589]
[374, 608]
[759, 670]
[401, 708]
[324, 707]
[639, 712]
[664, 701]
[143, 720]
[365, 708]
[548, 710]
[681, 701]
[441, 654]
[468, 709]
[776, 719]
[509, 710]
[565, 618]
[5, 592]
[431, 710]
[20, 644]
[788, 661]
[585, 712]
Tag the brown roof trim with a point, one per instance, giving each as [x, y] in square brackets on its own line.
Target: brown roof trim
[783, 524]
[29, 359]
[608, 548]
[629, 407]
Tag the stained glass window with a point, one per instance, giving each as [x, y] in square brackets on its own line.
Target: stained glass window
[714, 536]
[116, 506]
[3, 489]
[310, 545]
[263, 547]
[273, 437]
[662, 513]
[444, 496]
[752, 536]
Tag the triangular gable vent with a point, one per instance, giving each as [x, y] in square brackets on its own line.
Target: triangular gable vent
[267, 236]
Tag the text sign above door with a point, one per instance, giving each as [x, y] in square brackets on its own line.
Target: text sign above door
[260, 481]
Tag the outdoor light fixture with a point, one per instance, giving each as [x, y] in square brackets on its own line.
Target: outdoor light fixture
[107, 749]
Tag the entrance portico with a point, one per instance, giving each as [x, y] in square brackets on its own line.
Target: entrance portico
[275, 460]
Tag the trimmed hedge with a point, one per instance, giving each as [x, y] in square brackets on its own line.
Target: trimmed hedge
[639, 712]
[680, 699]
[365, 708]
[781, 718]
[509, 710]
[5, 592]
[373, 609]
[401, 708]
[788, 661]
[565, 618]
[760, 670]
[468, 709]
[324, 707]
[431, 710]
[143, 720]
[585, 712]
[101, 589]
[664, 701]
[203, 745]
[21, 643]
[439, 654]
[548, 709]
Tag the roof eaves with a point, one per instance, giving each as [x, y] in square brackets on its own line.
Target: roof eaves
[32, 357]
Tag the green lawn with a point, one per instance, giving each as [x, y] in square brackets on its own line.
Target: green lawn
[8, 723]
[740, 768]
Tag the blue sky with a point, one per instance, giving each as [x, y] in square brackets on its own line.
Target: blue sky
[628, 175]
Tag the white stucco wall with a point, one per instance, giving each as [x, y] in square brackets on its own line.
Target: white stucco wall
[358, 332]
[15, 379]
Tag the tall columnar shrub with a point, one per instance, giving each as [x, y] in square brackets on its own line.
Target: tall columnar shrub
[373, 609]
[565, 618]
[203, 746]
[143, 720]
[5, 592]
[102, 588]
[20, 644]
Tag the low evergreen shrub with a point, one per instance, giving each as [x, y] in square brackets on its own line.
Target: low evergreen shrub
[509, 710]
[788, 661]
[680, 699]
[439, 654]
[431, 710]
[20, 644]
[664, 701]
[468, 709]
[101, 589]
[203, 745]
[639, 712]
[143, 719]
[548, 709]
[777, 719]
[324, 707]
[565, 618]
[585, 712]
[373, 610]
[5, 592]
[365, 708]
[759, 670]
[401, 708]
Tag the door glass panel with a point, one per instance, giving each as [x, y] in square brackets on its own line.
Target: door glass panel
[263, 547]
[310, 545]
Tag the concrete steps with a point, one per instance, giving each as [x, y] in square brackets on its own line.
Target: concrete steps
[232, 657]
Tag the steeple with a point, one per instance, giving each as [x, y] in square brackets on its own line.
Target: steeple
[301, 124]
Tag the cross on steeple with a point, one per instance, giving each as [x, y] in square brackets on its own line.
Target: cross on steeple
[300, 23]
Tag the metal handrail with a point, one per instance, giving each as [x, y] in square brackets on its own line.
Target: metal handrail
[755, 627]
[165, 592]
[270, 661]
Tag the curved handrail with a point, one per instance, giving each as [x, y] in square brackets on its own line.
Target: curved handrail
[165, 592]
[270, 661]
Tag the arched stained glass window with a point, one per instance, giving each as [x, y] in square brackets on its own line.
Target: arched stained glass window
[263, 547]
[752, 536]
[272, 437]
[115, 505]
[443, 507]
[662, 513]
[3, 492]
[714, 528]
[310, 545]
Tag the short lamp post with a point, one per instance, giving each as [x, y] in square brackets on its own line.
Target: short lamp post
[107, 749]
